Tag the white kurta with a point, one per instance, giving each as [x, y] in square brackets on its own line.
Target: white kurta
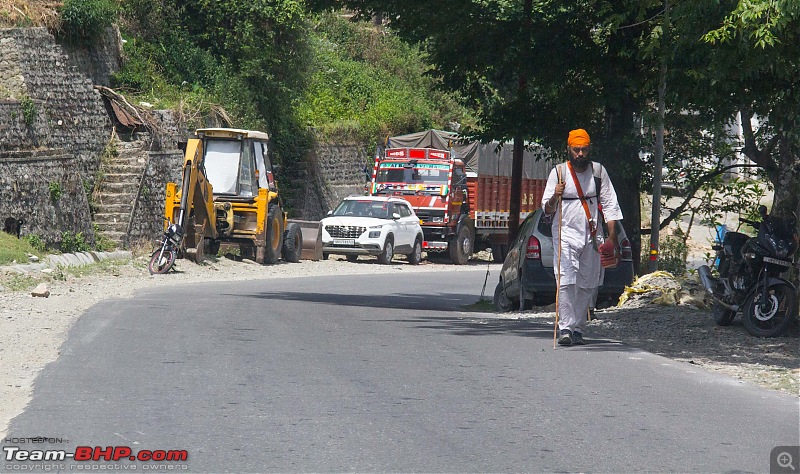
[580, 262]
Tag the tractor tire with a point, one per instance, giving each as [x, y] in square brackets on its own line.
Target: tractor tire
[274, 237]
[292, 243]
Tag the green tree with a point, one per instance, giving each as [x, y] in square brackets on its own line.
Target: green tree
[751, 67]
[536, 69]
[742, 59]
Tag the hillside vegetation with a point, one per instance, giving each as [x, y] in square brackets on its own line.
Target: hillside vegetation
[273, 66]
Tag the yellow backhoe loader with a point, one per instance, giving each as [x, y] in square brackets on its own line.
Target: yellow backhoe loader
[229, 198]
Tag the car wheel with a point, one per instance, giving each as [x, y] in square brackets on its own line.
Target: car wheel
[501, 301]
[388, 251]
[416, 253]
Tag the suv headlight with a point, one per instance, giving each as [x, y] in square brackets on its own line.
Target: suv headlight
[375, 231]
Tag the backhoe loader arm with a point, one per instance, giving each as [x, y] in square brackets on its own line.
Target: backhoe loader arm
[193, 206]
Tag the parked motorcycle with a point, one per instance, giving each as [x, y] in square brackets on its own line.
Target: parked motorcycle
[749, 276]
[163, 258]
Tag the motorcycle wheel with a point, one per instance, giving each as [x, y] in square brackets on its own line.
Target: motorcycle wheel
[161, 263]
[722, 315]
[774, 316]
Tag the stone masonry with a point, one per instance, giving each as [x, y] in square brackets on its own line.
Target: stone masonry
[65, 168]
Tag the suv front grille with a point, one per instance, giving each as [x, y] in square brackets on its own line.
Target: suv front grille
[345, 231]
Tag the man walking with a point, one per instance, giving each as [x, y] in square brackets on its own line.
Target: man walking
[571, 200]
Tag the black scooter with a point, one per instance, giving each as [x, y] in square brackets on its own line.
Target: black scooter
[749, 277]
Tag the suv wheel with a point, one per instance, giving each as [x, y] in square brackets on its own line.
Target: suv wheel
[416, 253]
[388, 251]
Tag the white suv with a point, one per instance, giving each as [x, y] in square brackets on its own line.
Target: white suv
[372, 225]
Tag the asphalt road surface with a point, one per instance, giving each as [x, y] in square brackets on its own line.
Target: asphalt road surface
[375, 373]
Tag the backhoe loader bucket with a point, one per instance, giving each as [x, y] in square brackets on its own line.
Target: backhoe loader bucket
[312, 238]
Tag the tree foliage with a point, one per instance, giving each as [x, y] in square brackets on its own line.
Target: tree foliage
[273, 65]
[743, 59]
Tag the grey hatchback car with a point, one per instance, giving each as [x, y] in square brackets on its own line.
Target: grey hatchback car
[527, 276]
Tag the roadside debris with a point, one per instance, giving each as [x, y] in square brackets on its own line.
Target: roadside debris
[664, 289]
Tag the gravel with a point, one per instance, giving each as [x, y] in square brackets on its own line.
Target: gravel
[32, 329]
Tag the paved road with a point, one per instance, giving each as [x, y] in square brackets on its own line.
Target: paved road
[382, 373]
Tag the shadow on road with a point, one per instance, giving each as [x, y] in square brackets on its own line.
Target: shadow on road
[405, 301]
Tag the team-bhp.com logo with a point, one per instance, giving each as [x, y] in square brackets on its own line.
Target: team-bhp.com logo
[94, 453]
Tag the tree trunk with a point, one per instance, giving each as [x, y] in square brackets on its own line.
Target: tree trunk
[515, 205]
[618, 152]
[786, 180]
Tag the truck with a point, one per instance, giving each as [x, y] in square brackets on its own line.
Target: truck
[229, 198]
[460, 190]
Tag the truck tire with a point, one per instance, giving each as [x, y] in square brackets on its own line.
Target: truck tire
[461, 247]
[292, 243]
[274, 238]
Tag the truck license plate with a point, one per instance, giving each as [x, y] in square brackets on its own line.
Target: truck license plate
[344, 241]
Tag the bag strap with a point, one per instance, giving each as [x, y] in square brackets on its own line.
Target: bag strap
[598, 179]
[592, 227]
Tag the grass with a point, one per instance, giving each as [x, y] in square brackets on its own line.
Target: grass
[28, 13]
[481, 306]
[16, 250]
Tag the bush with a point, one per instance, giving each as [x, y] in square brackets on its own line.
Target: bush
[672, 257]
[73, 242]
[84, 20]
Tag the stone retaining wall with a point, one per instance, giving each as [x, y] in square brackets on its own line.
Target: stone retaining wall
[54, 127]
[41, 188]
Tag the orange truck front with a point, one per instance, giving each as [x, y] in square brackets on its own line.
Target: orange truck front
[434, 182]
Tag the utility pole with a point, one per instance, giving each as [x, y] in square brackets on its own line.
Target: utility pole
[658, 158]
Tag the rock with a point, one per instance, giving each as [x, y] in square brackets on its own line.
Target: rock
[41, 291]
[33, 258]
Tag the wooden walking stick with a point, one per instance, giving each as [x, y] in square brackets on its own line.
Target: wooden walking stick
[558, 258]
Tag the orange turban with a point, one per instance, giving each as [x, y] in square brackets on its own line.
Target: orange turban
[578, 137]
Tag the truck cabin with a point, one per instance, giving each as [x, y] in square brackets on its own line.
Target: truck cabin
[236, 162]
[415, 171]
